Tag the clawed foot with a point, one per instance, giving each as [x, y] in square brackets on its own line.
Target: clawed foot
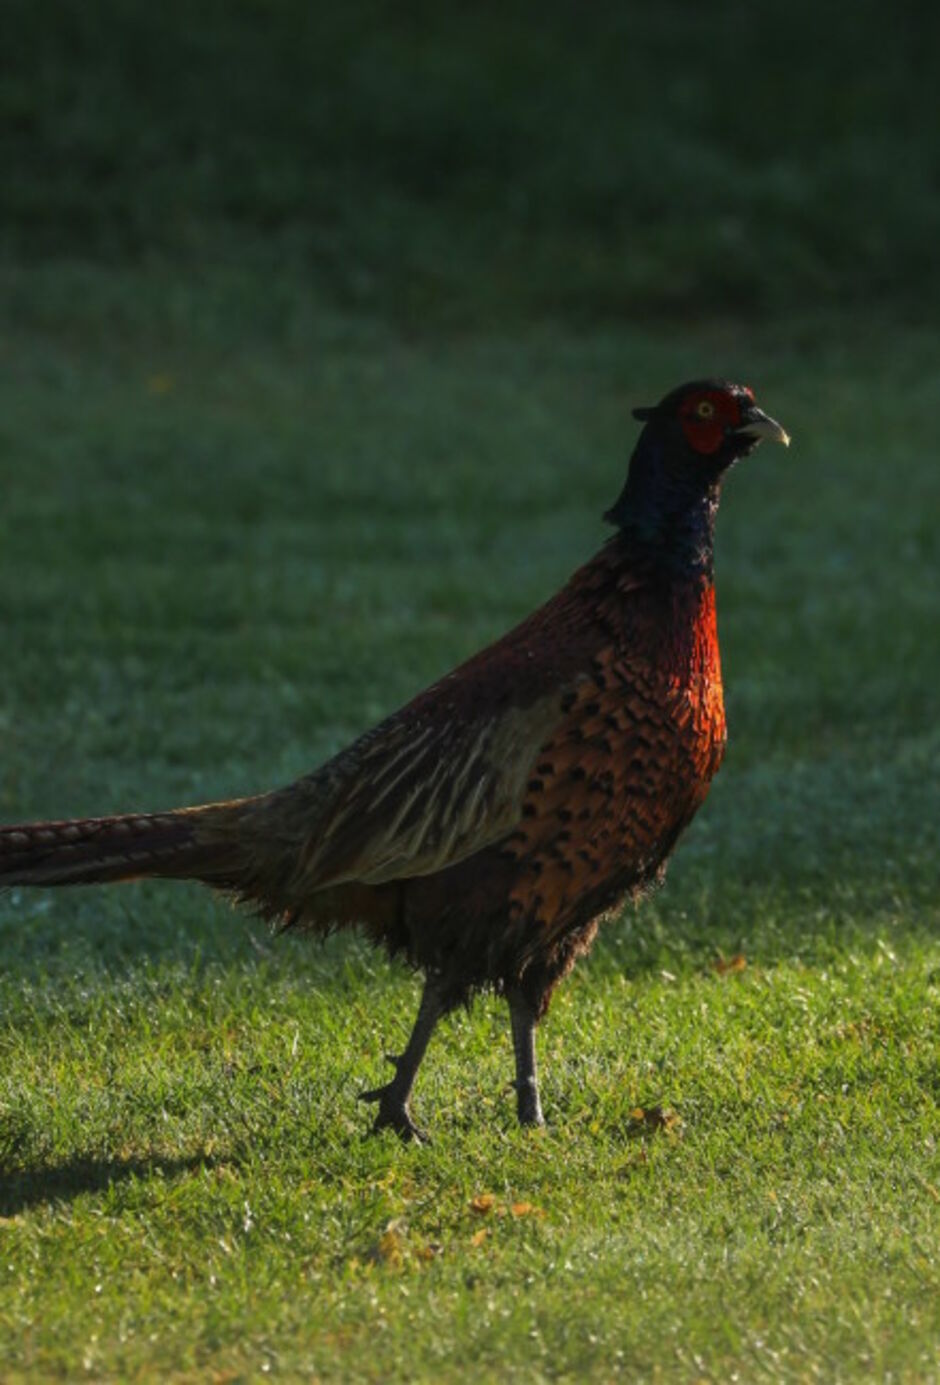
[528, 1106]
[393, 1113]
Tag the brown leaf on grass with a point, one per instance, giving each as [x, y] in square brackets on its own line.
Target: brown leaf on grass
[479, 1237]
[655, 1118]
[525, 1209]
[483, 1203]
[388, 1248]
[724, 966]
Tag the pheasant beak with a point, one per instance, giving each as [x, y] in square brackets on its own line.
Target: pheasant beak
[762, 427]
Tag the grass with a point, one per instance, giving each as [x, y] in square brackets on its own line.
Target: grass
[238, 524]
[469, 164]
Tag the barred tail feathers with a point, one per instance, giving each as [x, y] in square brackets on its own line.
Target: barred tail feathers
[237, 847]
[86, 851]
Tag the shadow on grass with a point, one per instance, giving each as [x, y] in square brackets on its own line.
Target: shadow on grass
[66, 1181]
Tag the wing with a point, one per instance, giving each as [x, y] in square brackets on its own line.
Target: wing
[447, 775]
[423, 792]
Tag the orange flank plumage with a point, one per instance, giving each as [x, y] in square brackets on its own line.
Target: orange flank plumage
[482, 831]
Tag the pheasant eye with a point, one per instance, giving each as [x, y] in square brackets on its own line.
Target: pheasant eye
[705, 409]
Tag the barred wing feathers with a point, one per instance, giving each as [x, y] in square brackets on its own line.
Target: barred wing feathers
[444, 777]
[414, 796]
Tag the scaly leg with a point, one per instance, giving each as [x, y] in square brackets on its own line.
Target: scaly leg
[393, 1098]
[522, 1016]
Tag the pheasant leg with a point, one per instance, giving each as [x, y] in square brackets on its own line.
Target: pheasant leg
[393, 1098]
[523, 1019]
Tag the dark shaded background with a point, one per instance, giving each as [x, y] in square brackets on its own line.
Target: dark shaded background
[466, 163]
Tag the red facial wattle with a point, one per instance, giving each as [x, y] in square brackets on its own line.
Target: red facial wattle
[706, 417]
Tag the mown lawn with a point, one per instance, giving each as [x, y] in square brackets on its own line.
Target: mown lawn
[236, 526]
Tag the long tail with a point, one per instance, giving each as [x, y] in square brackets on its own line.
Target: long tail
[240, 847]
[179, 845]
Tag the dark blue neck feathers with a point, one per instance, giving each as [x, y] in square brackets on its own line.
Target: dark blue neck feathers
[666, 510]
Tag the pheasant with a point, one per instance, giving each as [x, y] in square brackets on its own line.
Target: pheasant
[484, 830]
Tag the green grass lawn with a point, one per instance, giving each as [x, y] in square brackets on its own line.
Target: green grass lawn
[237, 526]
[464, 162]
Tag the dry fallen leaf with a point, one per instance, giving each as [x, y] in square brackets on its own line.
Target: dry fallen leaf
[388, 1248]
[526, 1209]
[483, 1203]
[656, 1118]
[479, 1237]
[725, 965]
